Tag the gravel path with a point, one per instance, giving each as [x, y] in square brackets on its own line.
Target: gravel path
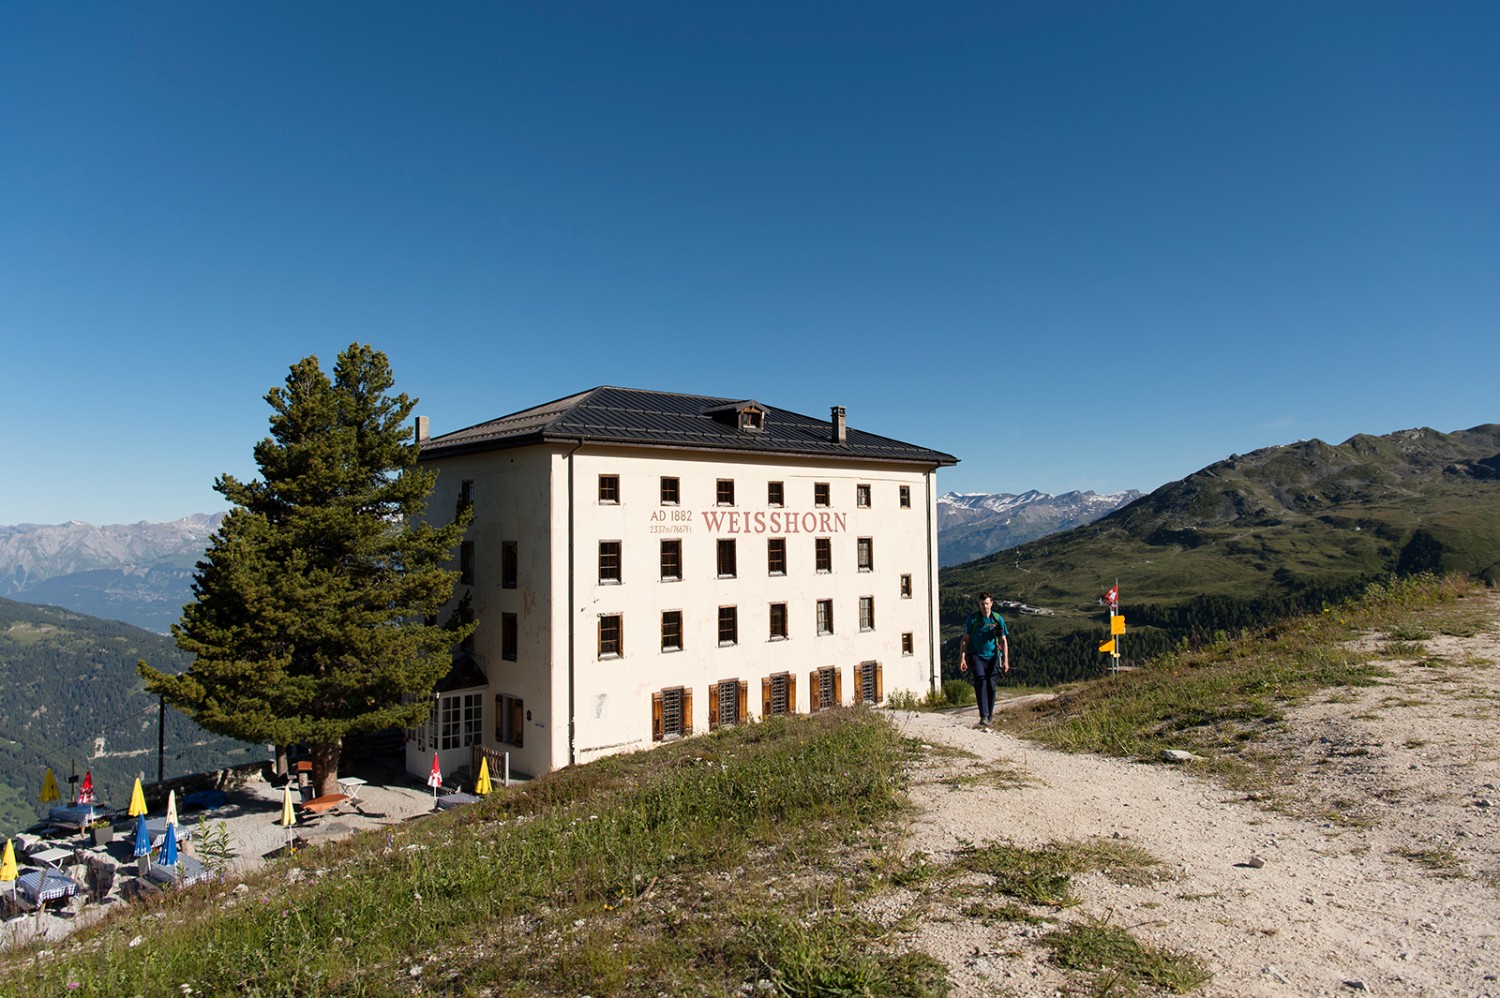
[1386, 882]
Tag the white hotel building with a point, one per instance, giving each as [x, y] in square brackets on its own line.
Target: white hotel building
[646, 565]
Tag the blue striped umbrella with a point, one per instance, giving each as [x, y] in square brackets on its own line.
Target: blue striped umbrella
[142, 837]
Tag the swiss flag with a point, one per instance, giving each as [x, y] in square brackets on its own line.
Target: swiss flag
[435, 778]
[86, 792]
[1113, 596]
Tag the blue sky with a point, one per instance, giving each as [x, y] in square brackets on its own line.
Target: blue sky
[1078, 245]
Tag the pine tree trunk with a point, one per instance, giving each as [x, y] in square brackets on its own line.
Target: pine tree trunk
[325, 760]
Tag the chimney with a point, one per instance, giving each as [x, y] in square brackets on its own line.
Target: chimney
[421, 430]
[838, 425]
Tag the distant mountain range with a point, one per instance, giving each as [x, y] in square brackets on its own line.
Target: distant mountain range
[1249, 539]
[140, 573]
[972, 525]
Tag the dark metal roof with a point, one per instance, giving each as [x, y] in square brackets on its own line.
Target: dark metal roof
[631, 416]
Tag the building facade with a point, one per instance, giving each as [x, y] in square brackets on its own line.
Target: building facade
[647, 565]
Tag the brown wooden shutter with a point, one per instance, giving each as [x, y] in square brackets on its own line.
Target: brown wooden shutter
[859, 683]
[838, 686]
[687, 711]
[713, 706]
[879, 682]
[517, 725]
[765, 698]
[791, 693]
[813, 688]
[656, 717]
[744, 705]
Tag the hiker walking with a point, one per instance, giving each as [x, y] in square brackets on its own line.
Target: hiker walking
[984, 653]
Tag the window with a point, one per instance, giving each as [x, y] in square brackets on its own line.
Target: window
[671, 493]
[671, 713]
[906, 497]
[671, 630]
[906, 587]
[727, 703]
[752, 419]
[862, 495]
[671, 561]
[510, 564]
[510, 636]
[465, 494]
[867, 681]
[729, 626]
[867, 613]
[611, 635]
[907, 645]
[460, 720]
[465, 616]
[727, 559]
[776, 556]
[724, 494]
[775, 494]
[466, 563]
[609, 489]
[510, 720]
[866, 554]
[778, 695]
[825, 616]
[820, 493]
[826, 688]
[778, 621]
[609, 562]
[823, 554]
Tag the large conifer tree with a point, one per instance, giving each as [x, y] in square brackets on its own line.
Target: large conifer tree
[314, 608]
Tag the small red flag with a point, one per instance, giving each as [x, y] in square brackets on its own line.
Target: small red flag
[435, 778]
[1113, 596]
[86, 792]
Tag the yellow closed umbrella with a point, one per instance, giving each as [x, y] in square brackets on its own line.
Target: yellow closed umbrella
[482, 785]
[137, 800]
[49, 788]
[8, 868]
[288, 815]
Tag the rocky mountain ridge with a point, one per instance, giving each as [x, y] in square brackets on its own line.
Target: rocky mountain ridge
[974, 524]
[140, 573]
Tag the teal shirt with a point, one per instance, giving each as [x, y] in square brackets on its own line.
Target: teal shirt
[985, 633]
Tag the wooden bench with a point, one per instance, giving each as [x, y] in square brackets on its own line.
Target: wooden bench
[320, 805]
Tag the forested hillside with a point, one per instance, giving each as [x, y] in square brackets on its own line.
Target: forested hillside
[66, 681]
[1244, 542]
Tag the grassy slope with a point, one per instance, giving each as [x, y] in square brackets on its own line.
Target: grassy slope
[1217, 700]
[691, 869]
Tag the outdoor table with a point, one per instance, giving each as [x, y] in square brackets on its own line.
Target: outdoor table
[350, 785]
[157, 829]
[78, 816]
[52, 857]
[40, 886]
[187, 870]
[449, 801]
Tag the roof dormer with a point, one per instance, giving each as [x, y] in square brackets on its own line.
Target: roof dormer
[748, 415]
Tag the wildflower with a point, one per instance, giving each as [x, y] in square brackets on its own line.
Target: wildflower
[74, 985]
